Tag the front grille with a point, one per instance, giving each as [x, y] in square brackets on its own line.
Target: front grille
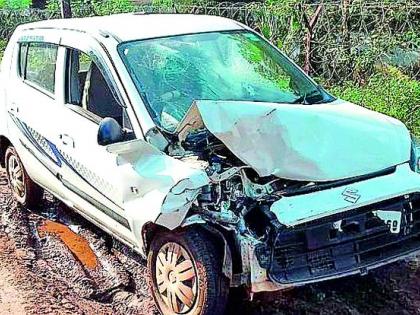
[345, 243]
[320, 261]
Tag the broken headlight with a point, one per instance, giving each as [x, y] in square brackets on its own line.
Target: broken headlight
[415, 155]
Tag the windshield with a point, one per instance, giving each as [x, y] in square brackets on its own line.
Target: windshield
[171, 72]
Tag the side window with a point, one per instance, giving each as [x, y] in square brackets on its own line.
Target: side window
[37, 64]
[88, 88]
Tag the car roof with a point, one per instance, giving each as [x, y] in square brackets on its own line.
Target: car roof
[133, 26]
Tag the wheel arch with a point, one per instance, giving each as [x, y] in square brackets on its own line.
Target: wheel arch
[224, 243]
[149, 232]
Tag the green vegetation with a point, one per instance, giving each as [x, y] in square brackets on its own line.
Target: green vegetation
[389, 92]
[170, 3]
[93, 7]
[15, 4]
[2, 47]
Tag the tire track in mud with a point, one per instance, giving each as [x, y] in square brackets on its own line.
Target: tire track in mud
[116, 284]
[110, 283]
[51, 280]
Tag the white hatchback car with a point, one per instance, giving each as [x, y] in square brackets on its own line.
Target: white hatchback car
[200, 145]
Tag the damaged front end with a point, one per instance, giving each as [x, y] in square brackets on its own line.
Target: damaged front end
[346, 243]
[281, 232]
[276, 253]
[362, 230]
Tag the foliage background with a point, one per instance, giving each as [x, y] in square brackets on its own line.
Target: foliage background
[15, 4]
[367, 52]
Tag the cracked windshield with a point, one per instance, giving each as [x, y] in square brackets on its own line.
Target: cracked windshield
[170, 73]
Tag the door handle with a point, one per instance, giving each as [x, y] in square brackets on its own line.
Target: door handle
[67, 140]
[14, 108]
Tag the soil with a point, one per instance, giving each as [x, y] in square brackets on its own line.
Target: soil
[52, 261]
[78, 245]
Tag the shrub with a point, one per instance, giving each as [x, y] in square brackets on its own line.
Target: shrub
[389, 92]
[351, 65]
[3, 44]
[170, 3]
[94, 7]
[112, 6]
[15, 4]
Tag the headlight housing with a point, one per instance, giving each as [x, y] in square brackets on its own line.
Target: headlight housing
[415, 155]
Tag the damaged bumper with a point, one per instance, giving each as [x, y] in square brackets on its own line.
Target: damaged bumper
[346, 244]
[299, 209]
[380, 224]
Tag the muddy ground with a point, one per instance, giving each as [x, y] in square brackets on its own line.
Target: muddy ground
[52, 261]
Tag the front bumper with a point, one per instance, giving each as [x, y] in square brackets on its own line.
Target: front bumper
[345, 244]
[304, 208]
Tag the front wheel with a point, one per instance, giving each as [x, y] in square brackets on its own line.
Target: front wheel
[24, 190]
[185, 274]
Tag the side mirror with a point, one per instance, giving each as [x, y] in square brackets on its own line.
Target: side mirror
[110, 132]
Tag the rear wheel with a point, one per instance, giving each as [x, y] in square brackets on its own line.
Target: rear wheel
[24, 190]
[185, 274]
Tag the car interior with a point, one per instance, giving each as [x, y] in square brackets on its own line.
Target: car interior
[88, 88]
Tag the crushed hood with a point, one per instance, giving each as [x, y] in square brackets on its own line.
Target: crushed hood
[322, 142]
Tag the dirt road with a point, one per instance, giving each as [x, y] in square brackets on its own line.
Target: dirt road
[52, 261]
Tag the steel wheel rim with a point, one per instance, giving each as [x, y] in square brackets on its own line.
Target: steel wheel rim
[176, 278]
[16, 176]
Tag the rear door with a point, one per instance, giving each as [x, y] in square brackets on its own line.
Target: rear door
[32, 104]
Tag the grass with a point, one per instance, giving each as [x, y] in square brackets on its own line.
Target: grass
[389, 92]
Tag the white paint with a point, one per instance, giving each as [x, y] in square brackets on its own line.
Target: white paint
[130, 26]
[299, 209]
[313, 143]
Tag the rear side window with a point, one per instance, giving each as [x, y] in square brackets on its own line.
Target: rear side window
[37, 64]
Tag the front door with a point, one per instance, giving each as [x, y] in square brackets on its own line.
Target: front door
[91, 172]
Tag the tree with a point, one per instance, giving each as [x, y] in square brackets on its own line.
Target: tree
[65, 9]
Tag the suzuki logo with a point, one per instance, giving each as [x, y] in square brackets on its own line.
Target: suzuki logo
[351, 195]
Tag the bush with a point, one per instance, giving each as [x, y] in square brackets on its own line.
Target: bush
[82, 8]
[171, 3]
[15, 4]
[389, 92]
[10, 19]
[3, 44]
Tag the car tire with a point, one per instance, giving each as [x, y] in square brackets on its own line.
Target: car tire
[192, 283]
[24, 190]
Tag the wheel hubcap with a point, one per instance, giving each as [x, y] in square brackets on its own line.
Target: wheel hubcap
[16, 176]
[176, 278]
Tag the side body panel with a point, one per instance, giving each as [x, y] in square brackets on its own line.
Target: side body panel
[89, 171]
[136, 182]
[31, 114]
[5, 65]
